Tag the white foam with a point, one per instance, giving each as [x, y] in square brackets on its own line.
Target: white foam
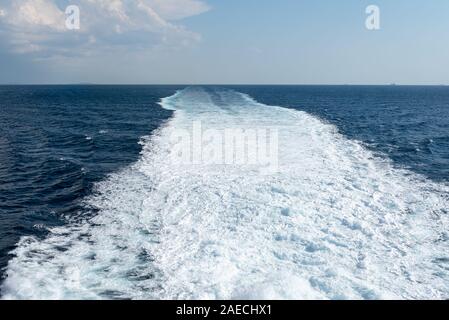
[334, 223]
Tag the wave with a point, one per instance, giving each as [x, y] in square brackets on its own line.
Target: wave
[335, 221]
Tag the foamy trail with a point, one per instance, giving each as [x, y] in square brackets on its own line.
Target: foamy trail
[335, 222]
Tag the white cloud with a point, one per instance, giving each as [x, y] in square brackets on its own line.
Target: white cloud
[38, 26]
[178, 9]
[27, 14]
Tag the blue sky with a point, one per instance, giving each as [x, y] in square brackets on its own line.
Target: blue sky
[225, 41]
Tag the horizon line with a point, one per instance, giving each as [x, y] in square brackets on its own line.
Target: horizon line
[220, 84]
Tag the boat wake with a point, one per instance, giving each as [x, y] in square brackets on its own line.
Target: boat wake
[334, 222]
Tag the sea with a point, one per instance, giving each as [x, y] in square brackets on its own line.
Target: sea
[92, 205]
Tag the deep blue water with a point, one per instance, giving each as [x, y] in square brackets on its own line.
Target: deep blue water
[409, 124]
[57, 141]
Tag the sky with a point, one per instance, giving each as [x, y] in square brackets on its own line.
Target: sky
[224, 42]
